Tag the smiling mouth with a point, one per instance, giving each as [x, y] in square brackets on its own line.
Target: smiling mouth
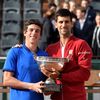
[33, 37]
[64, 30]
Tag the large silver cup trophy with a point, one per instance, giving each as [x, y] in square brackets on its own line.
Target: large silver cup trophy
[51, 63]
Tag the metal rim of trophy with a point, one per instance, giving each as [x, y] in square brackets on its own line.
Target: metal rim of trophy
[50, 59]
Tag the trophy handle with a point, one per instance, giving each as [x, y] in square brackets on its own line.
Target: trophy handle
[49, 81]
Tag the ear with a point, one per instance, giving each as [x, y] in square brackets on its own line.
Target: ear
[72, 24]
[24, 33]
[55, 23]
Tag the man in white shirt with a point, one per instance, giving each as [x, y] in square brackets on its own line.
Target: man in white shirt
[83, 28]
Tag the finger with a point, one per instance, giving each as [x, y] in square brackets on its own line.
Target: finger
[41, 83]
[53, 69]
[42, 68]
[42, 65]
[39, 90]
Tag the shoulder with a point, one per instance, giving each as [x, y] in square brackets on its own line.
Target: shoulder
[82, 48]
[17, 48]
[80, 42]
[76, 39]
[14, 51]
[52, 46]
[82, 45]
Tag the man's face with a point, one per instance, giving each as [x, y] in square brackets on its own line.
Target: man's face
[32, 34]
[72, 6]
[84, 4]
[97, 20]
[66, 6]
[64, 25]
[79, 14]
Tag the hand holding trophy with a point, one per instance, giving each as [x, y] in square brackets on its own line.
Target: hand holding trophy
[51, 67]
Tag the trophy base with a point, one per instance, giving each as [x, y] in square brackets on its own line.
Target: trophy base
[52, 88]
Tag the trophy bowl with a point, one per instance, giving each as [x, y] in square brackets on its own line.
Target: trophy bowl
[51, 63]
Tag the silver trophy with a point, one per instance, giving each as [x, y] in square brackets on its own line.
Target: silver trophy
[51, 63]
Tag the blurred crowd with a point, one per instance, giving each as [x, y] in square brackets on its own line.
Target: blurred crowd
[86, 24]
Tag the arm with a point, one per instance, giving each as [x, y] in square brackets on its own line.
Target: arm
[80, 71]
[10, 70]
[79, 75]
[10, 81]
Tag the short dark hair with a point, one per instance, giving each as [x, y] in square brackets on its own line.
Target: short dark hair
[85, 0]
[97, 13]
[52, 5]
[32, 21]
[82, 9]
[63, 13]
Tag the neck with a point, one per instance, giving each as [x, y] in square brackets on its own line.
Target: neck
[32, 47]
[64, 40]
[82, 18]
[98, 25]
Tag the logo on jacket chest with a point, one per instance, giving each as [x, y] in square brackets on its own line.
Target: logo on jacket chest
[70, 54]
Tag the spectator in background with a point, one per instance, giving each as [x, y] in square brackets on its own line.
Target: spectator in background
[83, 28]
[52, 7]
[77, 70]
[21, 71]
[72, 9]
[72, 6]
[65, 5]
[90, 12]
[96, 36]
[50, 1]
[49, 33]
